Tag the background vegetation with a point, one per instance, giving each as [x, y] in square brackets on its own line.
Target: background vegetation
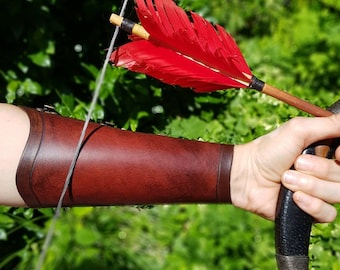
[51, 53]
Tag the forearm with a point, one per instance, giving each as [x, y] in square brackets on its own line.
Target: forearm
[118, 167]
[14, 129]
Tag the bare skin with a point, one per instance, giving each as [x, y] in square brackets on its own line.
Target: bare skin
[14, 132]
[261, 165]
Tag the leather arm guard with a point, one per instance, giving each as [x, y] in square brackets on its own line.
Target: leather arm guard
[117, 167]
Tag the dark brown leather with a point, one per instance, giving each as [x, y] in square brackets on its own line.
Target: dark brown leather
[117, 167]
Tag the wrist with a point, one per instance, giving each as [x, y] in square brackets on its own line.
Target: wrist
[244, 177]
[238, 176]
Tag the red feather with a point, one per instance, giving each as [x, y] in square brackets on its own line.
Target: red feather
[184, 52]
[190, 52]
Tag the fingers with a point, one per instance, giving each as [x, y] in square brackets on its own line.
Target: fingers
[316, 185]
[313, 195]
[325, 190]
[318, 167]
[318, 209]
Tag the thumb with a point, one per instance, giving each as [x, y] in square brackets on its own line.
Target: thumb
[311, 130]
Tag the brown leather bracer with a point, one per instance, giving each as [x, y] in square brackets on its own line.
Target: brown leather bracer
[117, 167]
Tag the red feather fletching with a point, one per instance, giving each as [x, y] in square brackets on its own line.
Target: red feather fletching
[183, 51]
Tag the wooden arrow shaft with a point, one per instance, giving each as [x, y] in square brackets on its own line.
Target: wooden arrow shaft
[295, 101]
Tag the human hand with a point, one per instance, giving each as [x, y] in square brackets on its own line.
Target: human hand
[260, 166]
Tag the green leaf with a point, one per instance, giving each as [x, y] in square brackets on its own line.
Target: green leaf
[86, 236]
[3, 235]
[6, 221]
[31, 87]
[41, 59]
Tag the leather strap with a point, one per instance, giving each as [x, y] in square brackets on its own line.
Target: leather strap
[224, 170]
[29, 156]
[118, 167]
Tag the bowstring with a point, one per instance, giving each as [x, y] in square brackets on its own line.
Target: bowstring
[51, 230]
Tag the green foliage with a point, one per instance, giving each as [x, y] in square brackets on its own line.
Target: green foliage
[52, 52]
[325, 246]
[163, 237]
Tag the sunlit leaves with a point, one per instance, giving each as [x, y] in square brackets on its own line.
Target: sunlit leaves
[41, 59]
[16, 88]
